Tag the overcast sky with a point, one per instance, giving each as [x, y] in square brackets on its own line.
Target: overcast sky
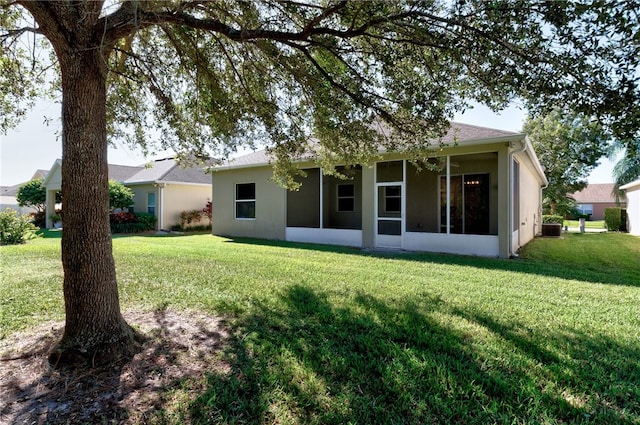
[34, 145]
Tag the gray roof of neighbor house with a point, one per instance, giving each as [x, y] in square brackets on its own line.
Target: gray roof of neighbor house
[458, 132]
[161, 170]
[168, 170]
[13, 190]
[10, 190]
[595, 193]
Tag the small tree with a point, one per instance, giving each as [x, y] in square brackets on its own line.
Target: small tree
[120, 196]
[33, 195]
[569, 146]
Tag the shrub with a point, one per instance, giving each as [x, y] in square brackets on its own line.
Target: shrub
[147, 220]
[15, 228]
[126, 222]
[208, 210]
[120, 196]
[548, 218]
[39, 219]
[613, 218]
[188, 217]
[122, 217]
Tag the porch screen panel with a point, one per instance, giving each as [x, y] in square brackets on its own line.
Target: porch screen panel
[476, 204]
[303, 205]
[342, 199]
[470, 204]
[389, 171]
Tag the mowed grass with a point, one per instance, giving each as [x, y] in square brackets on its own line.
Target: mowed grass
[337, 335]
[595, 224]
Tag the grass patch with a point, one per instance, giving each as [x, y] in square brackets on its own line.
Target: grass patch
[596, 224]
[337, 335]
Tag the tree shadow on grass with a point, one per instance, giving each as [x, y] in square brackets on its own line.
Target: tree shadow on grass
[594, 272]
[417, 361]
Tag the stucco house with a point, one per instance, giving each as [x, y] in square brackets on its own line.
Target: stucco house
[162, 187]
[484, 200]
[594, 198]
[633, 206]
[8, 194]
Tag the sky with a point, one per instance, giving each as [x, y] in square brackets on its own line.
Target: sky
[35, 145]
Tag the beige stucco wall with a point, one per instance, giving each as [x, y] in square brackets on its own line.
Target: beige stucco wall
[496, 160]
[176, 198]
[270, 204]
[529, 203]
[140, 192]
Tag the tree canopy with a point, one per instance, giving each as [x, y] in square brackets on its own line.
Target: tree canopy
[32, 194]
[120, 196]
[569, 146]
[282, 72]
[211, 76]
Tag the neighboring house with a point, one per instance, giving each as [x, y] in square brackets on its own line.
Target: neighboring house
[633, 206]
[485, 200]
[161, 187]
[8, 194]
[594, 198]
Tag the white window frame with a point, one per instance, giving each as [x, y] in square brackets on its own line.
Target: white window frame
[399, 196]
[154, 205]
[237, 201]
[338, 197]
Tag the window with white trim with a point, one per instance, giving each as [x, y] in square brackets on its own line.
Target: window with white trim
[392, 199]
[151, 203]
[246, 201]
[346, 197]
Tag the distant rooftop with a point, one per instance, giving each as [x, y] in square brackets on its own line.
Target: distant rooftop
[594, 193]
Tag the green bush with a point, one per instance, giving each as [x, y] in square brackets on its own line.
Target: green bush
[126, 222]
[613, 218]
[127, 227]
[549, 218]
[120, 196]
[148, 220]
[15, 228]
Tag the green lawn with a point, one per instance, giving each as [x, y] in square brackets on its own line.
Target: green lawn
[595, 224]
[336, 335]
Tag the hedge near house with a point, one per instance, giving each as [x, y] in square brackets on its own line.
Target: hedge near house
[615, 219]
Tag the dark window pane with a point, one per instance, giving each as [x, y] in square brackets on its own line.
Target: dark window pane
[476, 204]
[393, 191]
[346, 204]
[389, 227]
[246, 191]
[392, 205]
[246, 209]
[346, 190]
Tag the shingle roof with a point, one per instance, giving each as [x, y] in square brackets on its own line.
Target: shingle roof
[458, 132]
[594, 193]
[121, 173]
[169, 170]
[10, 190]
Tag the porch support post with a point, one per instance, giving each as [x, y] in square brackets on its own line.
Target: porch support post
[321, 180]
[50, 205]
[504, 202]
[448, 209]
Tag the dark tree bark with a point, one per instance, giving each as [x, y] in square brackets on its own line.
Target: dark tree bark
[95, 329]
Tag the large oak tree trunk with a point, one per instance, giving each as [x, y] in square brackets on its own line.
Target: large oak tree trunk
[95, 330]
